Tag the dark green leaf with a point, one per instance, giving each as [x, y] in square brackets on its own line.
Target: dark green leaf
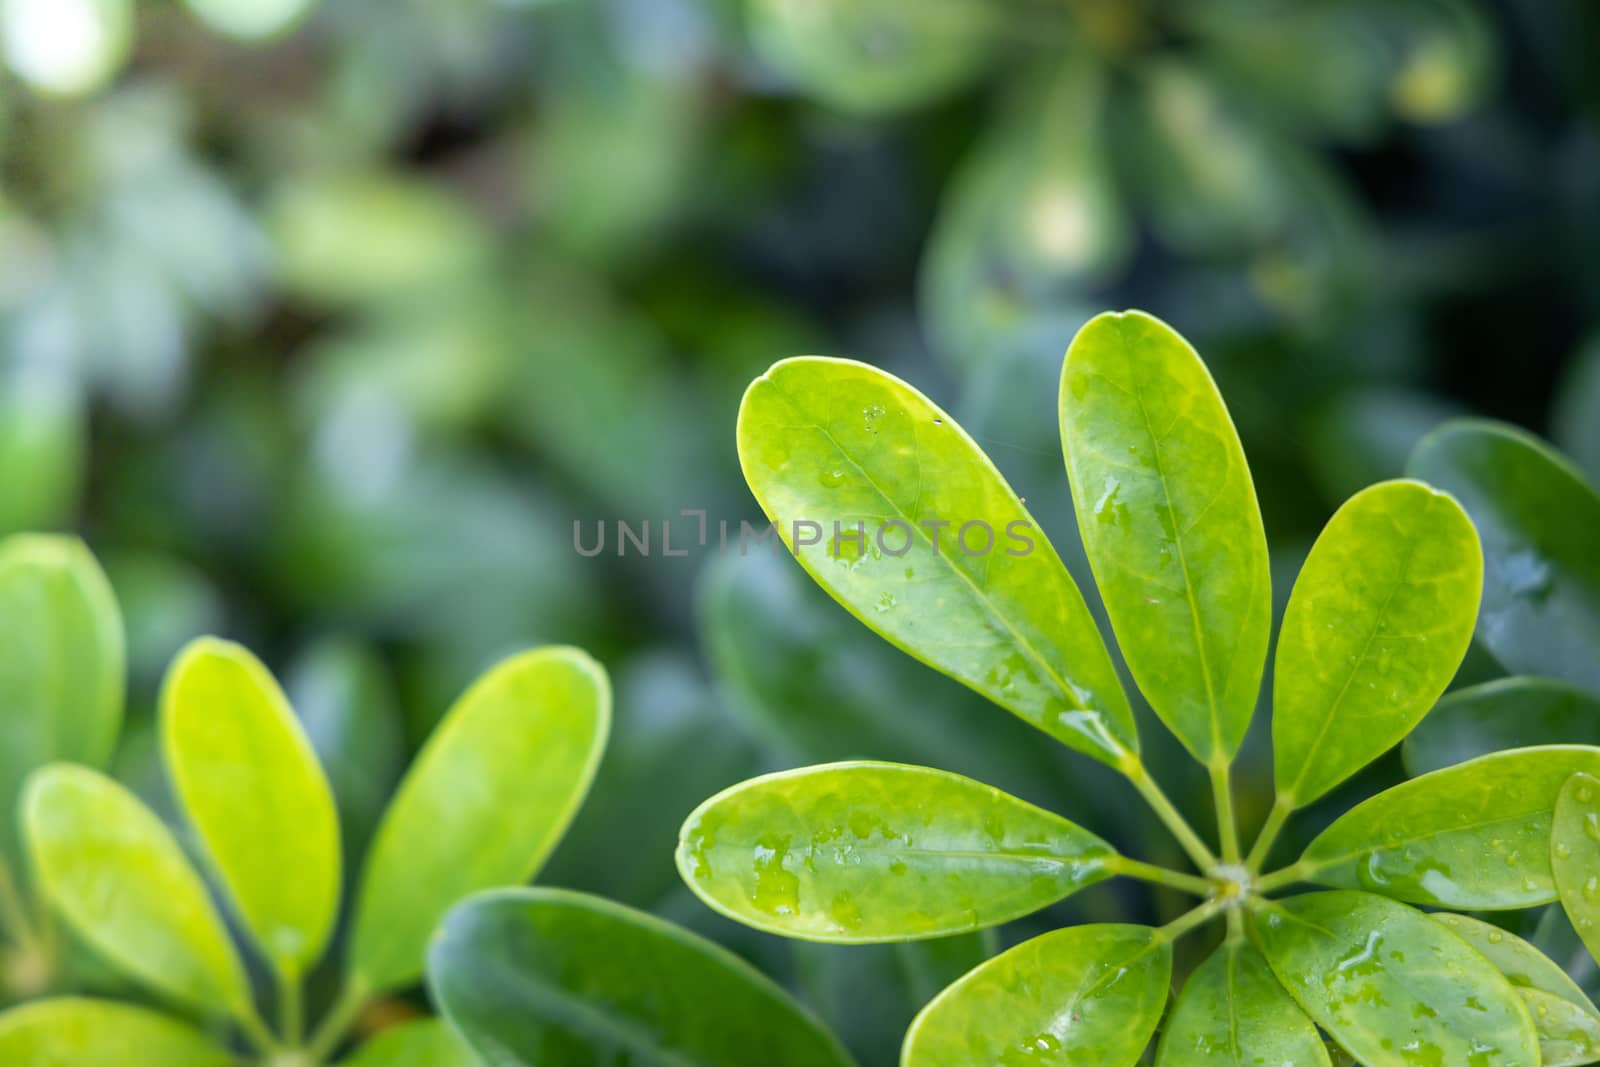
[1506, 713]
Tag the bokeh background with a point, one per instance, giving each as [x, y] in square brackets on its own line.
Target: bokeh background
[325, 321]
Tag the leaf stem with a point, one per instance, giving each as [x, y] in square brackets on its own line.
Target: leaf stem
[291, 1009]
[1281, 810]
[1235, 926]
[1289, 875]
[1190, 919]
[255, 1030]
[1149, 872]
[1147, 787]
[1227, 825]
[337, 1022]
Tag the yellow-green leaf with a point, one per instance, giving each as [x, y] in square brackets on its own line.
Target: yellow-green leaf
[250, 783]
[1575, 853]
[487, 799]
[1169, 517]
[864, 852]
[1377, 624]
[1232, 1011]
[1084, 994]
[116, 874]
[422, 1043]
[829, 440]
[76, 1032]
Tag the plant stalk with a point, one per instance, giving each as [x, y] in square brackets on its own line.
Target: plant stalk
[255, 1030]
[291, 1009]
[337, 1022]
[1190, 919]
[1269, 834]
[1227, 824]
[1283, 876]
[1175, 822]
[1149, 872]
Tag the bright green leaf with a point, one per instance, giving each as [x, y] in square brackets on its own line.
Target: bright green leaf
[1537, 517]
[828, 440]
[542, 976]
[423, 1043]
[1169, 517]
[62, 663]
[1475, 835]
[1393, 987]
[1575, 854]
[862, 852]
[248, 780]
[74, 1032]
[1505, 713]
[114, 871]
[1084, 994]
[1377, 624]
[1567, 1021]
[487, 799]
[1232, 1011]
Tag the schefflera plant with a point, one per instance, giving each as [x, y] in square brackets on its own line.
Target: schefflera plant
[1376, 626]
[63, 676]
[485, 802]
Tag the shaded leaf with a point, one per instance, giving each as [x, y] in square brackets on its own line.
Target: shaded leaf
[1505, 713]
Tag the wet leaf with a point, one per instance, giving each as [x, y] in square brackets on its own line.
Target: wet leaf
[875, 56]
[1393, 987]
[62, 663]
[423, 1043]
[1536, 515]
[862, 852]
[1233, 1011]
[1169, 516]
[1505, 713]
[1475, 835]
[1089, 994]
[1567, 1021]
[829, 440]
[249, 782]
[485, 802]
[76, 1032]
[117, 876]
[539, 976]
[1575, 854]
[1378, 622]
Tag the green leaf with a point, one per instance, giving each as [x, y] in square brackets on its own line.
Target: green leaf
[1476, 835]
[114, 871]
[1084, 994]
[249, 782]
[828, 440]
[1567, 1022]
[422, 1043]
[75, 1032]
[541, 976]
[1393, 987]
[836, 49]
[864, 852]
[62, 663]
[1505, 713]
[1169, 517]
[1537, 517]
[1378, 622]
[1575, 854]
[487, 799]
[1233, 1011]
[43, 446]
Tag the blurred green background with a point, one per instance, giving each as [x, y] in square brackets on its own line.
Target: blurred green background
[325, 321]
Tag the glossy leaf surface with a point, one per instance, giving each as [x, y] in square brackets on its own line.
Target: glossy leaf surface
[1393, 987]
[540, 976]
[76, 1032]
[1377, 624]
[114, 871]
[1567, 1021]
[860, 852]
[1475, 835]
[1232, 1011]
[1575, 854]
[828, 440]
[1537, 517]
[1505, 713]
[1083, 994]
[1169, 517]
[251, 785]
[487, 799]
[62, 662]
[423, 1043]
